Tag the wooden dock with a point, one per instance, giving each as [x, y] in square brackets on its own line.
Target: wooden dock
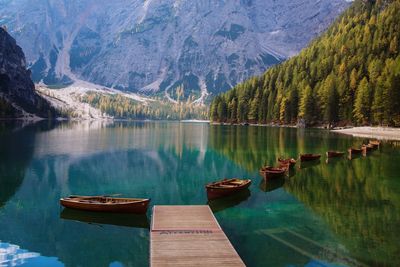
[189, 236]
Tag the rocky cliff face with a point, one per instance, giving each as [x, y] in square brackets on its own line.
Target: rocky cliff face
[17, 91]
[152, 46]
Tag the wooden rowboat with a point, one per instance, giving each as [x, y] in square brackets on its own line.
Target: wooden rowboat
[334, 154]
[309, 157]
[273, 172]
[291, 162]
[375, 143]
[367, 148]
[226, 187]
[106, 204]
[355, 151]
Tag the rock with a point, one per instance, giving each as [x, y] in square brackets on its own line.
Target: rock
[17, 91]
[301, 123]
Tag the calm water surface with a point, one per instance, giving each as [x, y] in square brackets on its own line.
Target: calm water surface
[341, 213]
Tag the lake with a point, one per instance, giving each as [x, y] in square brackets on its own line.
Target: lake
[341, 213]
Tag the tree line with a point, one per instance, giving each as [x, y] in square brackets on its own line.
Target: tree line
[122, 107]
[348, 75]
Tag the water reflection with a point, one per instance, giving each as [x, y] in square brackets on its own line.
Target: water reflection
[221, 204]
[359, 199]
[267, 185]
[128, 220]
[308, 164]
[13, 255]
[168, 162]
[360, 202]
[16, 151]
[253, 147]
[348, 206]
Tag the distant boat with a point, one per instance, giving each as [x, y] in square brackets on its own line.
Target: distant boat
[226, 187]
[273, 172]
[106, 204]
[309, 157]
[375, 143]
[368, 147]
[355, 151]
[291, 162]
[334, 154]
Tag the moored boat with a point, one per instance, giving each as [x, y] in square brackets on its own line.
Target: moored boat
[334, 154]
[106, 204]
[355, 150]
[375, 146]
[273, 172]
[226, 187]
[291, 162]
[309, 157]
[375, 143]
[367, 148]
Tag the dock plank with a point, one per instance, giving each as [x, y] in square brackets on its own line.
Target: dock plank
[189, 236]
[190, 217]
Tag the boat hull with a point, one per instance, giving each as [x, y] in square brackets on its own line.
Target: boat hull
[355, 151]
[368, 148]
[290, 162]
[312, 157]
[273, 174]
[139, 207]
[214, 192]
[334, 154]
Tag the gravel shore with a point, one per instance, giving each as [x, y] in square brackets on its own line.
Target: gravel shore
[384, 133]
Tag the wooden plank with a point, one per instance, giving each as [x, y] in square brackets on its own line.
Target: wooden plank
[183, 218]
[189, 236]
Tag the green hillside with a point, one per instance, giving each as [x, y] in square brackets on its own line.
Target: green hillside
[348, 75]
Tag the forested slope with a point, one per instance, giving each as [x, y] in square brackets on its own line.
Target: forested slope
[350, 74]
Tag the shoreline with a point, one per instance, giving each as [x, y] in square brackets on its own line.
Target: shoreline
[378, 132]
[373, 132]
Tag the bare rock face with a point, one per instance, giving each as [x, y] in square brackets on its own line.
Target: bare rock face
[17, 91]
[151, 46]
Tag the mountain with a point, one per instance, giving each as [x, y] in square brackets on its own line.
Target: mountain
[154, 47]
[17, 91]
[348, 75]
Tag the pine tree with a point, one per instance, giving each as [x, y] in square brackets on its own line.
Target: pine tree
[222, 111]
[331, 113]
[307, 105]
[377, 107]
[362, 102]
[326, 77]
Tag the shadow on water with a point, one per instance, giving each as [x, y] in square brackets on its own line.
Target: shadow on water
[334, 161]
[118, 219]
[221, 204]
[16, 151]
[272, 184]
[309, 164]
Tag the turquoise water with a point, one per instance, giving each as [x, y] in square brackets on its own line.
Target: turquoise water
[341, 213]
